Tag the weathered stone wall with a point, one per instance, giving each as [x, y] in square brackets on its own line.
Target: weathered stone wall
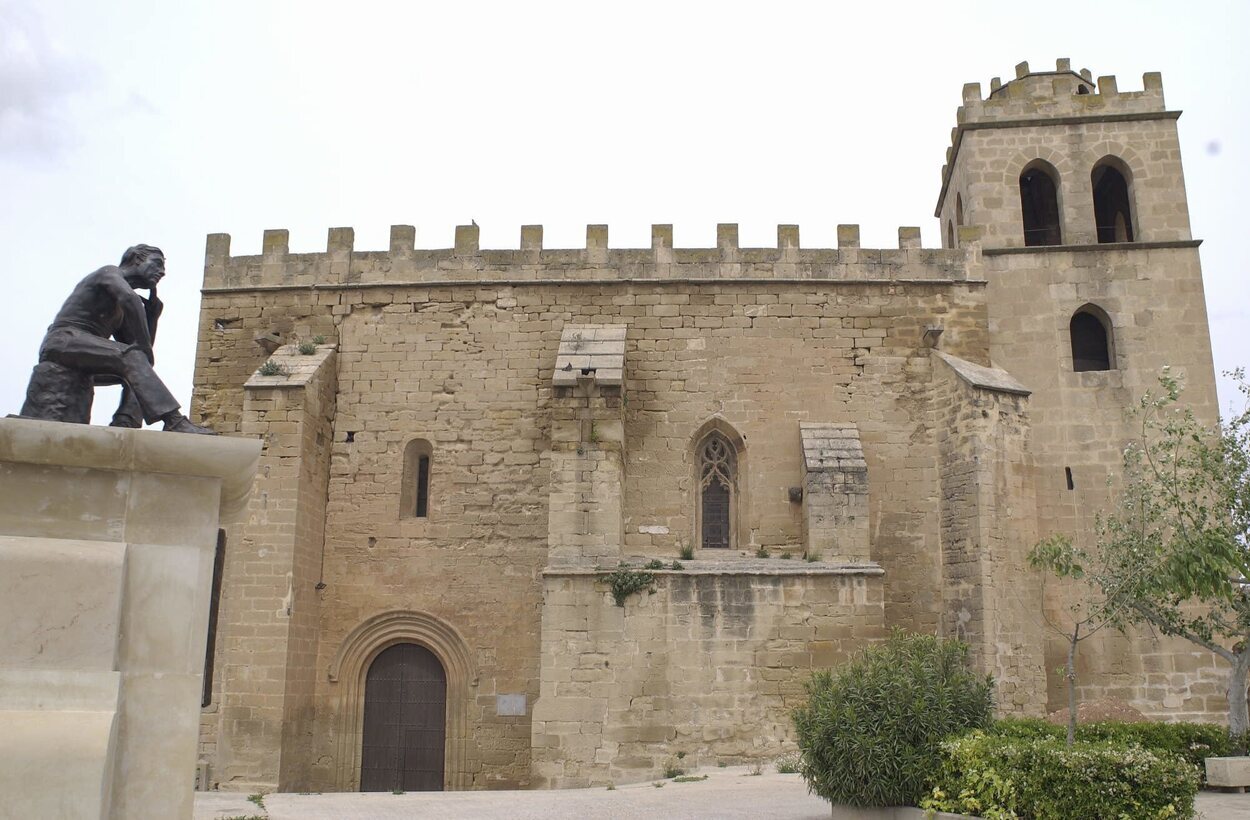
[466, 366]
[268, 618]
[992, 598]
[708, 665]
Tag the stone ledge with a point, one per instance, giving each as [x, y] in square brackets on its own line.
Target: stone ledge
[1101, 247]
[986, 378]
[232, 460]
[757, 566]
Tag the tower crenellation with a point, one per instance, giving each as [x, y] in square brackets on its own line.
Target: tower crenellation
[1064, 125]
[1059, 93]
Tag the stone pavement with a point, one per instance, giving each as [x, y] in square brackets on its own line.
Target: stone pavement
[727, 793]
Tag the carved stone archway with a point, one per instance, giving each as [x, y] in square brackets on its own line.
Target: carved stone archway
[351, 664]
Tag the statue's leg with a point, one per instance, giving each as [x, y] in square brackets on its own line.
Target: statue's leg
[150, 393]
[129, 413]
[93, 355]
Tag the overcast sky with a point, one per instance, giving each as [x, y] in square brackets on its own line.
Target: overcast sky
[161, 122]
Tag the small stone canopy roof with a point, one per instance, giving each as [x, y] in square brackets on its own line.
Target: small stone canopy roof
[592, 350]
[986, 378]
[831, 447]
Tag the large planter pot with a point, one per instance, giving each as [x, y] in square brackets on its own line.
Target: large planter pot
[1228, 772]
[891, 813]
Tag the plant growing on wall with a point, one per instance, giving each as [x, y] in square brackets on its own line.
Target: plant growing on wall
[1174, 552]
[625, 581]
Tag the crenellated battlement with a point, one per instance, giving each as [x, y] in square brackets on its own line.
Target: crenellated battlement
[466, 262]
[1059, 93]
[1059, 97]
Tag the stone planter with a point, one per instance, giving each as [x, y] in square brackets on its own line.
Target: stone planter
[1228, 772]
[891, 813]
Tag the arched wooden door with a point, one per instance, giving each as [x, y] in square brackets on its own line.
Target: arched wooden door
[405, 721]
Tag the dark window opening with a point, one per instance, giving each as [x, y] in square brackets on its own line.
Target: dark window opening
[950, 234]
[1039, 205]
[1068, 472]
[959, 210]
[414, 486]
[717, 477]
[1091, 348]
[214, 604]
[1113, 213]
[423, 486]
[1082, 89]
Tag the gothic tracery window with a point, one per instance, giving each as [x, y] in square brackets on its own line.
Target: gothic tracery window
[717, 490]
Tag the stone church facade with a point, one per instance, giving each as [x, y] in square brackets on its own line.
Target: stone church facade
[461, 446]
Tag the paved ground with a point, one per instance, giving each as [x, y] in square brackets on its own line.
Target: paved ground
[727, 793]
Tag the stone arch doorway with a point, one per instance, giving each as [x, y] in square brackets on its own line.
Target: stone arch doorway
[405, 721]
[349, 674]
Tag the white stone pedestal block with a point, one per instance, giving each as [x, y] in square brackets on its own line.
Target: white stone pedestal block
[1228, 772]
[107, 539]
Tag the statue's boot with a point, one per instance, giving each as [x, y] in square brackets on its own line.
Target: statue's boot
[178, 423]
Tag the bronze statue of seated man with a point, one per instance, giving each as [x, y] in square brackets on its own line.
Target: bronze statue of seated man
[103, 335]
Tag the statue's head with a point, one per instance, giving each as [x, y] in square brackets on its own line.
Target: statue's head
[143, 265]
[136, 255]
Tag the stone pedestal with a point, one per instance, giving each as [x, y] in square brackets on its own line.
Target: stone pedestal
[107, 540]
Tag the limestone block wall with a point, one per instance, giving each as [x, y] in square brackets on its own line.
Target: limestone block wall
[456, 347]
[1154, 300]
[992, 599]
[708, 665]
[261, 719]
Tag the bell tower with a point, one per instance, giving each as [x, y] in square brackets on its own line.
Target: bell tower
[1074, 193]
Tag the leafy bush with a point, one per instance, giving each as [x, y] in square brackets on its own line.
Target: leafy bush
[870, 730]
[1003, 777]
[1192, 741]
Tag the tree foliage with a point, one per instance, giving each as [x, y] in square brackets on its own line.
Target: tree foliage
[1174, 551]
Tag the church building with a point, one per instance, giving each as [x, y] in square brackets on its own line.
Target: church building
[553, 518]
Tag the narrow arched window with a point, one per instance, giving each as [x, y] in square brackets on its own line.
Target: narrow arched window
[414, 488]
[1039, 204]
[959, 210]
[1092, 348]
[1113, 210]
[718, 473]
[950, 234]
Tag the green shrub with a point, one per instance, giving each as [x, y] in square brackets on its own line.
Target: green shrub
[624, 582]
[870, 730]
[1003, 777]
[1192, 741]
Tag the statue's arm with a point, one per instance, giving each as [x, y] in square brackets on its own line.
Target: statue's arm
[134, 327]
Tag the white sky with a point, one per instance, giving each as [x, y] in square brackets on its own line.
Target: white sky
[161, 122]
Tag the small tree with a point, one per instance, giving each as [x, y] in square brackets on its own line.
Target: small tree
[1089, 616]
[1175, 550]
